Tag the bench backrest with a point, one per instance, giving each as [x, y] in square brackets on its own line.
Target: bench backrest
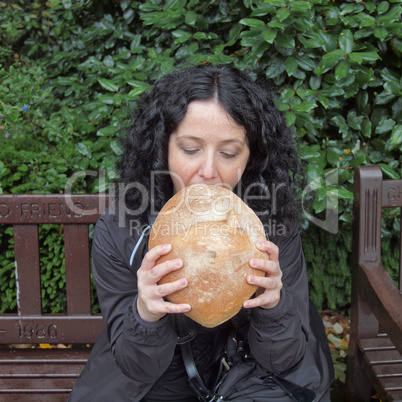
[376, 301]
[371, 194]
[75, 213]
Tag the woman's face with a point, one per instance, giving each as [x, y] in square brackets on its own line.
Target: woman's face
[207, 147]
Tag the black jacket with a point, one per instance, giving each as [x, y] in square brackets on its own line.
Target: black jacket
[131, 354]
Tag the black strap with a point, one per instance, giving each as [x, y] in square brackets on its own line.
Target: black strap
[185, 335]
[299, 394]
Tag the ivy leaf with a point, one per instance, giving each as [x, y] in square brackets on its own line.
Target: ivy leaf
[283, 13]
[107, 131]
[275, 68]
[66, 4]
[83, 149]
[342, 70]
[108, 85]
[366, 128]
[324, 101]
[389, 172]
[300, 6]
[341, 192]
[269, 35]
[116, 148]
[380, 33]
[291, 65]
[359, 57]
[191, 18]
[346, 41]
[285, 40]
[252, 22]
[395, 140]
[181, 36]
[384, 126]
[304, 107]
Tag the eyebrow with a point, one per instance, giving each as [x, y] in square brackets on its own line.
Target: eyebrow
[192, 137]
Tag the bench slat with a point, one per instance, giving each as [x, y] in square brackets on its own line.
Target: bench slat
[383, 370]
[76, 240]
[26, 246]
[39, 374]
[18, 397]
[38, 385]
[376, 343]
[383, 356]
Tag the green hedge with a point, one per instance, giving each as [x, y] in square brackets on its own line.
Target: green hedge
[70, 71]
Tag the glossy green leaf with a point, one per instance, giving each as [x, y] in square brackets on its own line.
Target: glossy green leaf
[107, 131]
[396, 137]
[252, 22]
[282, 14]
[298, 6]
[346, 41]
[342, 192]
[364, 56]
[383, 7]
[108, 85]
[342, 70]
[285, 40]
[384, 126]
[275, 68]
[389, 172]
[291, 65]
[181, 36]
[380, 33]
[269, 35]
[304, 107]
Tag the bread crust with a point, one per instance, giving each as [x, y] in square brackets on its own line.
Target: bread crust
[215, 234]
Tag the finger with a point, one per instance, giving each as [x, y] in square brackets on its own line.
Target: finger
[268, 266]
[172, 308]
[156, 309]
[160, 270]
[168, 288]
[152, 255]
[265, 300]
[270, 248]
[264, 282]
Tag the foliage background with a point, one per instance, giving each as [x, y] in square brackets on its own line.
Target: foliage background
[71, 70]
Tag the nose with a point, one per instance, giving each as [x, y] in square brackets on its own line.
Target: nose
[208, 168]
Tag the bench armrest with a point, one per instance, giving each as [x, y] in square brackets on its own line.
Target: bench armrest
[378, 290]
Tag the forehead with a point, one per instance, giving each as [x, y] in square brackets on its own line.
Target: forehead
[206, 116]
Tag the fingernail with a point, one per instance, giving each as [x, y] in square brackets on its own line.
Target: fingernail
[187, 308]
[167, 246]
[260, 244]
[183, 282]
[254, 262]
[251, 279]
[177, 263]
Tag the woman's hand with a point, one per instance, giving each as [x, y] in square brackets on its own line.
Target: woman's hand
[150, 303]
[270, 285]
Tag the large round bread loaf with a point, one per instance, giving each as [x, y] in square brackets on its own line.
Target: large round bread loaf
[215, 234]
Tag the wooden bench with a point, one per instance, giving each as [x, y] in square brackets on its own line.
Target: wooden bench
[48, 374]
[375, 347]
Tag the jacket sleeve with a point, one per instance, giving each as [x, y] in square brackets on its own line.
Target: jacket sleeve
[278, 336]
[142, 350]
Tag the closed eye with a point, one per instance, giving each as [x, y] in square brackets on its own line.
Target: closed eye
[228, 155]
[189, 151]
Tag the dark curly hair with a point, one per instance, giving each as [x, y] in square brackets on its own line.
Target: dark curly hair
[273, 167]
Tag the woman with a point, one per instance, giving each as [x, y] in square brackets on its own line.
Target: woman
[210, 125]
